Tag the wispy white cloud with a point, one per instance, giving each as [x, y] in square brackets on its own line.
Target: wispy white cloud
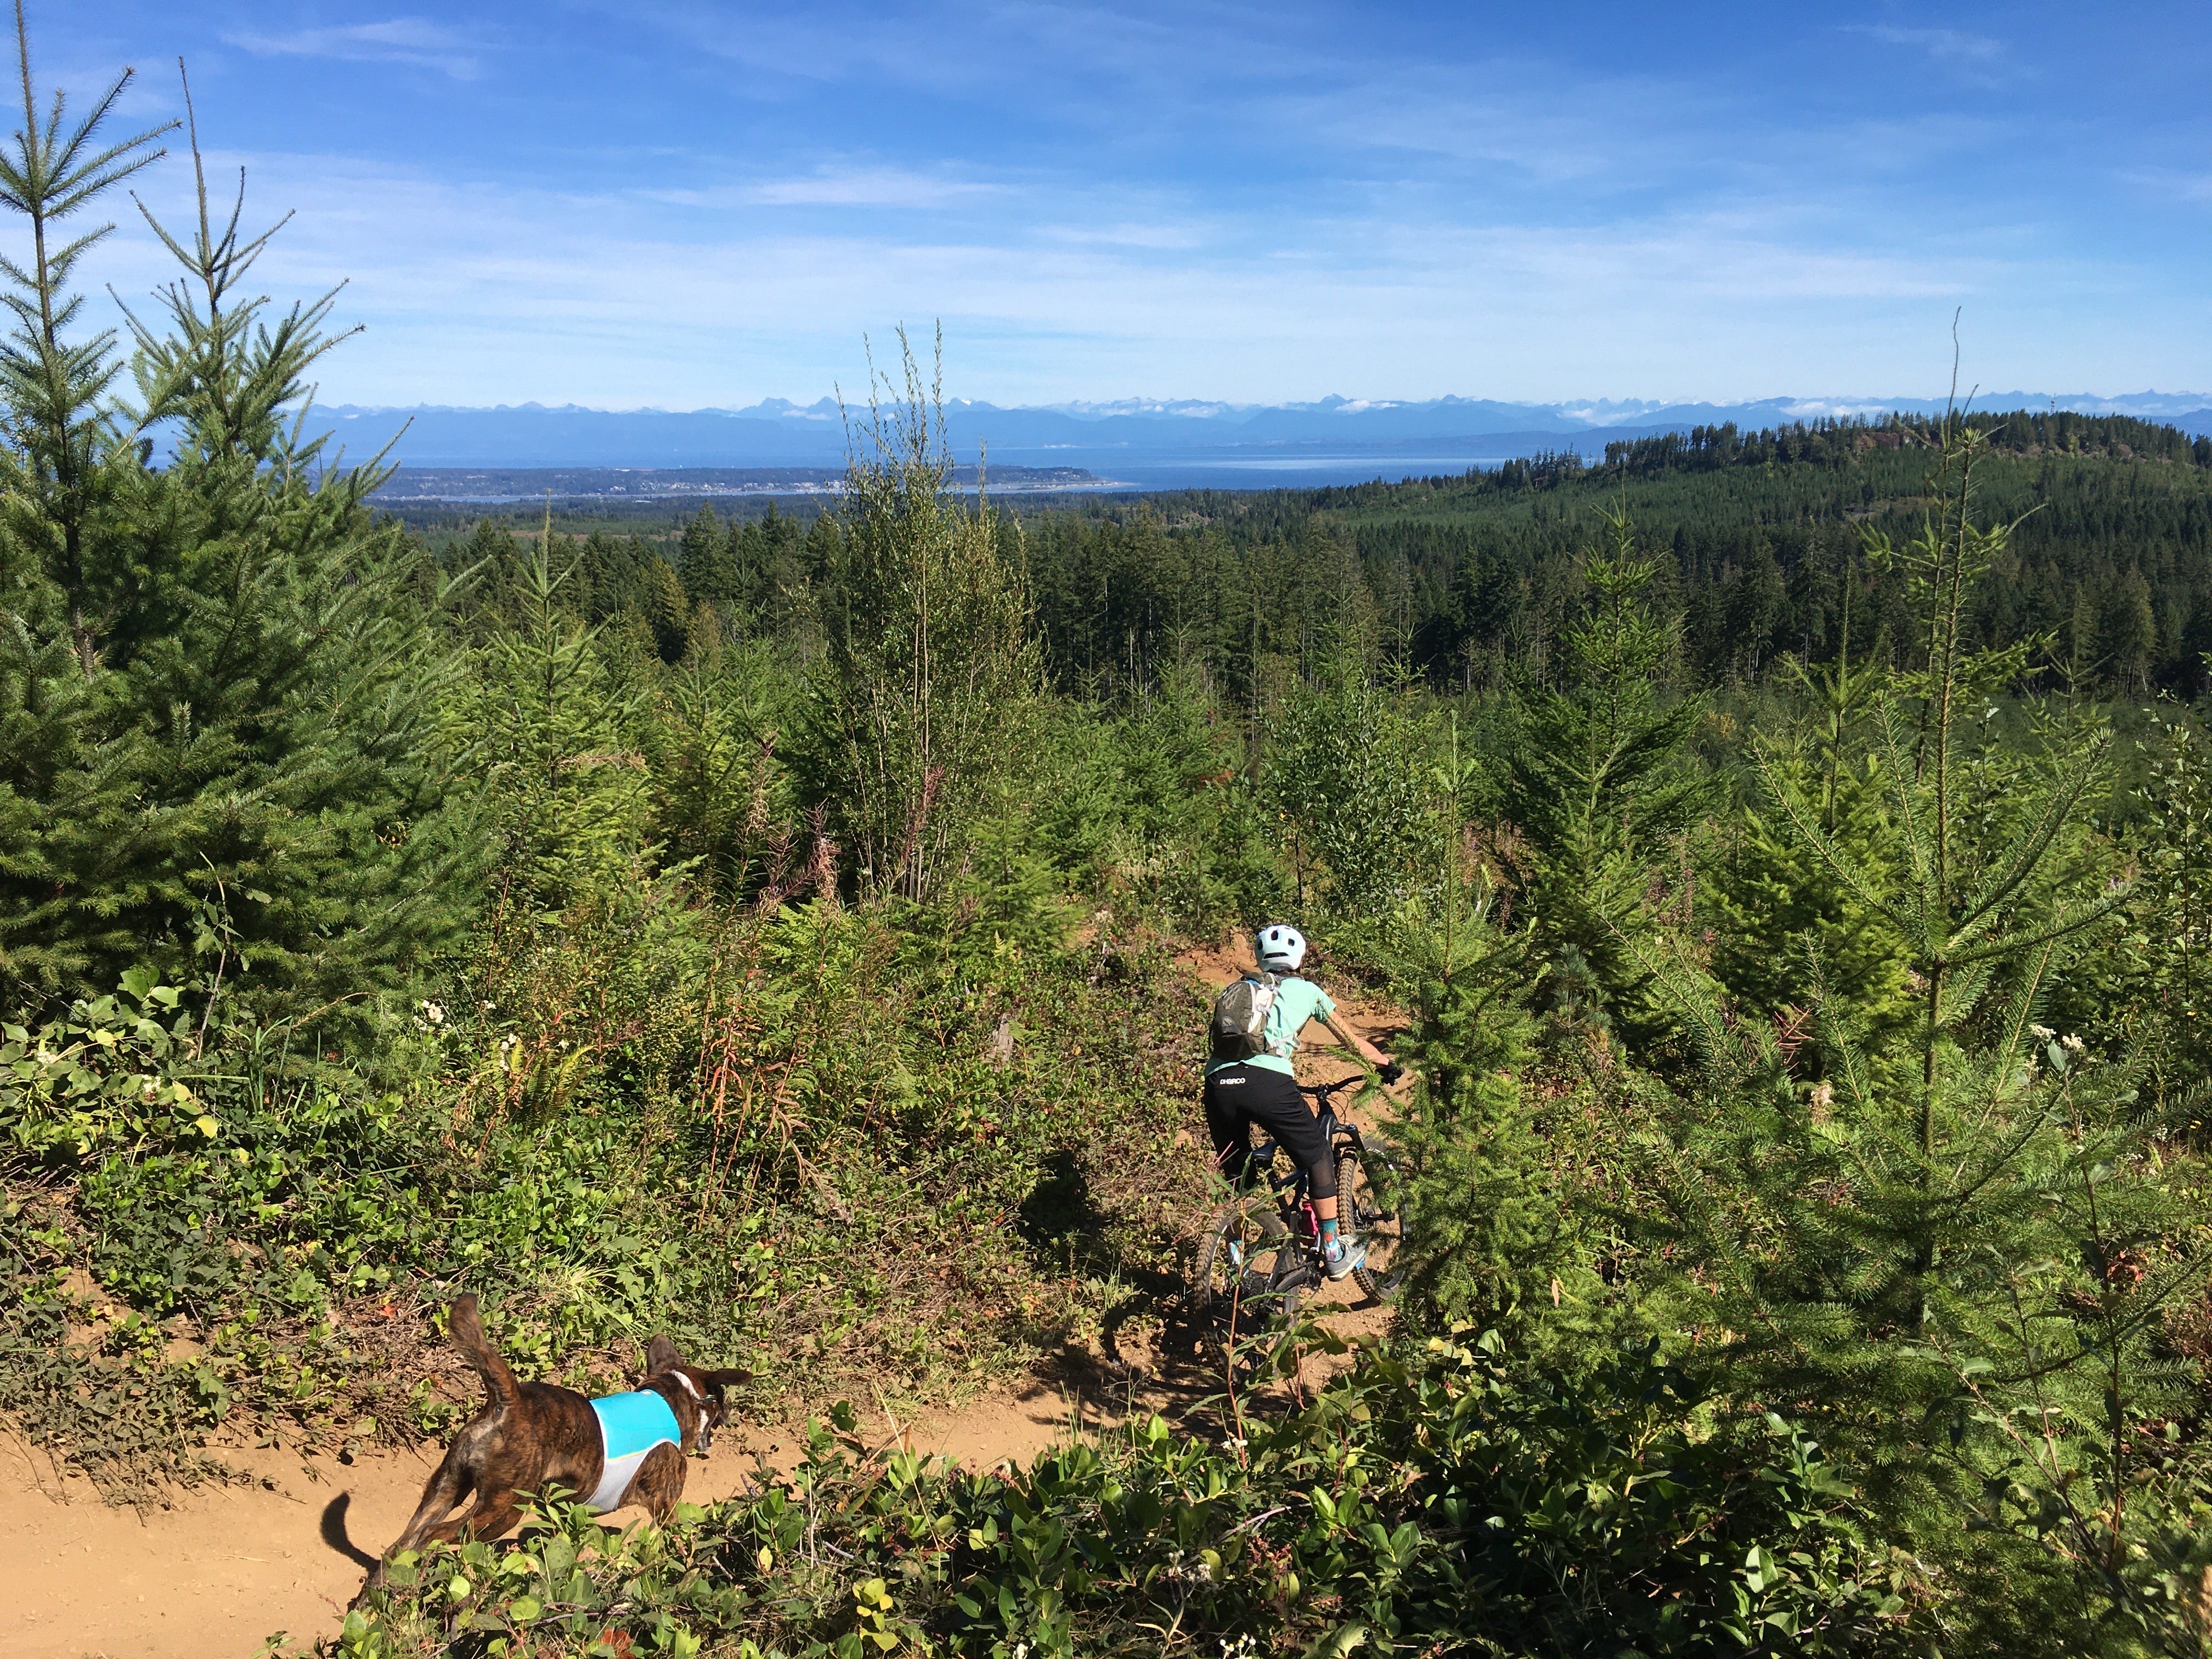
[1169, 232]
[837, 185]
[412, 40]
[1978, 57]
[469, 288]
[1951, 44]
[1098, 51]
[714, 201]
[1535, 131]
[2166, 185]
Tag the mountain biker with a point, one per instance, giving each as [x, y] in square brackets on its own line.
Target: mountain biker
[1262, 1087]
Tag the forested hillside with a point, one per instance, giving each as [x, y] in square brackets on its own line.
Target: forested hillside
[1469, 581]
[764, 934]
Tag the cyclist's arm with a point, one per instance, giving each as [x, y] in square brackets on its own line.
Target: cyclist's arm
[1366, 1050]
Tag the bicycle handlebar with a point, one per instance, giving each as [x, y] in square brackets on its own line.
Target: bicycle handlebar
[1321, 1091]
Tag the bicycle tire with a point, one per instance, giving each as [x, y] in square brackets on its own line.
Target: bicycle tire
[1242, 1319]
[1378, 1218]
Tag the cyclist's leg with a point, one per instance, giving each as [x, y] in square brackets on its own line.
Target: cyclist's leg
[1278, 1107]
[1271, 1099]
[1227, 1126]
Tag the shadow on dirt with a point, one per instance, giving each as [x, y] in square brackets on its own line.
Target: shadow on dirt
[335, 1535]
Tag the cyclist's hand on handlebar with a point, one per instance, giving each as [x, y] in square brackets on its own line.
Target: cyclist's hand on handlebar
[1390, 1072]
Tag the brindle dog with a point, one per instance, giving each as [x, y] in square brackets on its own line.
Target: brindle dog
[530, 1435]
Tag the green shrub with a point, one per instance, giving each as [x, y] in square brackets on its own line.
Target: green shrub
[1456, 1503]
[1957, 1237]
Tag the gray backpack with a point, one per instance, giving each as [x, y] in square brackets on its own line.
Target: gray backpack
[1240, 1016]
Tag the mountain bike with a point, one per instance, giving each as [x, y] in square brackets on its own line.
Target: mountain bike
[1261, 1252]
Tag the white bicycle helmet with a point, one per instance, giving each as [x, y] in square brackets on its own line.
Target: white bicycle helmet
[1280, 947]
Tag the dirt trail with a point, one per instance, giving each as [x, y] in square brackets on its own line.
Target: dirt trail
[229, 1566]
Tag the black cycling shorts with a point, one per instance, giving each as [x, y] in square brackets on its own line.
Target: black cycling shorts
[1237, 1097]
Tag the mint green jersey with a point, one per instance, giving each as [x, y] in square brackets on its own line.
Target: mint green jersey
[1296, 1000]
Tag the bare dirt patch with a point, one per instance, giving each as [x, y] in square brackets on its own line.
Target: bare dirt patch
[227, 1567]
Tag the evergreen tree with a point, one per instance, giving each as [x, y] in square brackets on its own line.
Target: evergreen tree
[541, 723]
[216, 689]
[493, 561]
[744, 547]
[2127, 633]
[607, 578]
[773, 574]
[708, 569]
[1753, 608]
[1956, 1247]
[667, 609]
[1777, 903]
[756, 571]
[1490, 1226]
[2159, 979]
[1343, 762]
[927, 668]
[1595, 782]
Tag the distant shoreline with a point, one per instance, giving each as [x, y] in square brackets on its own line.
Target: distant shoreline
[505, 485]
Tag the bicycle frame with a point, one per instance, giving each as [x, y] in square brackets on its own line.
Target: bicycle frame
[1308, 1269]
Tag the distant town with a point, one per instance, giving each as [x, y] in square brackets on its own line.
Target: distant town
[419, 485]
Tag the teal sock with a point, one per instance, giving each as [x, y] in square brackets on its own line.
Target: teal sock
[1328, 1232]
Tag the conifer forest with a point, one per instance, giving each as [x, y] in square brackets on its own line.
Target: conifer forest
[1788, 855]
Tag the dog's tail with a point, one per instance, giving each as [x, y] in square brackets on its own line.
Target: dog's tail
[467, 1332]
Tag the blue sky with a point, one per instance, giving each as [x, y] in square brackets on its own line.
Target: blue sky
[678, 205]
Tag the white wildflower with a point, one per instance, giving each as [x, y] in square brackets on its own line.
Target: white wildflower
[1186, 1568]
[2043, 1033]
[2072, 1044]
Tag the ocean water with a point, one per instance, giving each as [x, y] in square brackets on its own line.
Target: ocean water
[1299, 470]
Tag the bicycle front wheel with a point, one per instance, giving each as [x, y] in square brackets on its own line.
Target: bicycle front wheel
[1242, 1311]
[1367, 1192]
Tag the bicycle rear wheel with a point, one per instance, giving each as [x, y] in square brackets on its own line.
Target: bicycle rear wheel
[1366, 1191]
[1243, 1314]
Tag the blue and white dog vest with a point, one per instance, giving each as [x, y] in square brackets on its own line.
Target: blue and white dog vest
[631, 1425]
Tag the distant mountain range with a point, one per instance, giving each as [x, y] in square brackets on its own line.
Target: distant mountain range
[1132, 436]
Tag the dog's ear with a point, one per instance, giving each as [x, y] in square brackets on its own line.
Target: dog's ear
[659, 1354]
[716, 1382]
